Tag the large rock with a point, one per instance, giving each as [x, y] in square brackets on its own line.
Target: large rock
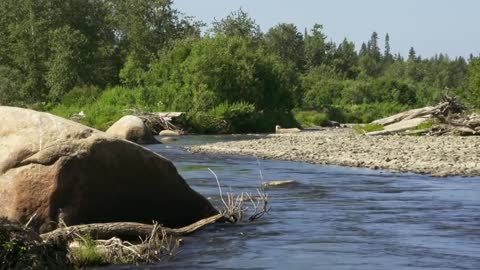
[133, 129]
[56, 168]
[170, 133]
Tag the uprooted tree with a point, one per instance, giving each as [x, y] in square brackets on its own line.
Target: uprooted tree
[449, 117]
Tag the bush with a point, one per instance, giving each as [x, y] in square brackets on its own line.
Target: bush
[103, 109]
[208, 72]
[364, 113]
[311, 118]
[236, 118]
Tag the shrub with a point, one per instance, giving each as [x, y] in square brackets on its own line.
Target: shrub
[208, 72]
[311, 118]
[364, 113]
[236, 118]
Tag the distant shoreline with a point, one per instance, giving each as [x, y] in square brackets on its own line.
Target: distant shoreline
[437, 156]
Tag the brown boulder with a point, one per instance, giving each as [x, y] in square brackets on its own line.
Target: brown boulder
[56, 168]
[133, 129]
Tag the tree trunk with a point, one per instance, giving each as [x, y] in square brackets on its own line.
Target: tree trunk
[123, 230]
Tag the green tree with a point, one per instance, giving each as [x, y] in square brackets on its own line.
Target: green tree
[10, 86]
[64, 66]
[373, 49]
[25, 25]
[315, 47]
[413, 66]
[285, 41]
[144, 28]
[370, 61]
[237, 23]
[201, 75]
[473, 90]
[387, 56]
[346, 59]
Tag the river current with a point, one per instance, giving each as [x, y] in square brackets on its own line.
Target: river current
[333, 218]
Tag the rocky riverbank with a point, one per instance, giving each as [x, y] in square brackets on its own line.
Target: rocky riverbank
[438, 156]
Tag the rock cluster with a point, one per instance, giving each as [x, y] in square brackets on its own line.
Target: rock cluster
[440, 156]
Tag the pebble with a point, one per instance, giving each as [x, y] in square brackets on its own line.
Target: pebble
[455, 155]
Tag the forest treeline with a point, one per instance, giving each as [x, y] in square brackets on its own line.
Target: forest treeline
[104, 57]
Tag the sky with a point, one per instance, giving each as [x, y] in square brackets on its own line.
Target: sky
[430, 26]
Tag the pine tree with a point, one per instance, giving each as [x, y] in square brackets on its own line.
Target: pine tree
[412, 55]
[363, 50]
[388, 57]
[316, 47]
[372, 47]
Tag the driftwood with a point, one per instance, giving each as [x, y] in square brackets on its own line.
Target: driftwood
[124, 230]
[449, 116]
[158, 121]
[403, 115]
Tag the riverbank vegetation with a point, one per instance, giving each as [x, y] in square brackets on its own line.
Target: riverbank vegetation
[106, 57]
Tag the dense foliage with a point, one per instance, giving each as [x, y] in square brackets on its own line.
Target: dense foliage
[105, 57]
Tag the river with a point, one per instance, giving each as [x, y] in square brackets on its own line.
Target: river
[333, 218]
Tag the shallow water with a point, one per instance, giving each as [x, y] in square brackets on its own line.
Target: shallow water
[334, 218]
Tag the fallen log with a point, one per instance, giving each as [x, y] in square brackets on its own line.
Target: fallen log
[394, 118]
[399, 127]
[123, 230]
[449, 105]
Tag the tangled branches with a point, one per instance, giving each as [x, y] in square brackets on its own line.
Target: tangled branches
[234, 205]
[157, 246]
[157, 122]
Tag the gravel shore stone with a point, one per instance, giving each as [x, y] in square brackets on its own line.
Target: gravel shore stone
[437, 156]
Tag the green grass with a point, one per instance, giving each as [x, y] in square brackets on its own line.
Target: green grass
[362, 129]
[87, 254]
[426, 125]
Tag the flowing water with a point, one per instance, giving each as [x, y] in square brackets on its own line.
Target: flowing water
[333, 218]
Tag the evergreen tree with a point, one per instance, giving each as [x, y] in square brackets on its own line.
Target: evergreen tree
[315, 47]
[373, 48]
[363, 50]
[370, 61]
[412, 68]
[388, 57]
[412, 55]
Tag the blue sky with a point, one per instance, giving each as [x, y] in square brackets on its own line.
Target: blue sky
[431, 26]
